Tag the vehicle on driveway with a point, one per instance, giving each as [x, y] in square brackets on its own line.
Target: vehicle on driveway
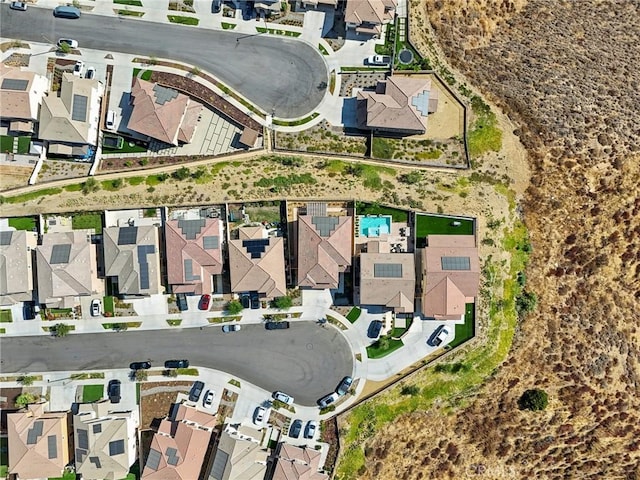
[91, 72]
[374, 329]
[260, 415]
[176, 364]
[282, 397]
[140, 366]
[310, 429]
[344, 386]
[18, 6]
[439, 336]
[68, 41]
[231, 328]
[205, 302]
[95, 307]
[208, 399]
[196, 391]
[113, 390]
[255, 301]
[78, 68]
[378, 60]
[245, 301]
[30, 310]
[327, 400]
[276, 325]
[295, 429]
[216, 5]
[181, 301]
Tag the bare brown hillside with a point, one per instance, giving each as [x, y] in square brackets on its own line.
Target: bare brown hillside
[567, 73]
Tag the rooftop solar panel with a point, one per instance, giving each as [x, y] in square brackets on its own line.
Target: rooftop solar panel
[456, 263]
[79, 108]
[34, 432]
[172, 456]
[191, 228]
[255, 247]
[52, 447]
[127, 236]
[387, 270]
[143, 251]
[325, 225]
[5, 238]
[116, 447]
[83, 439]
[60, 254]
[14, 84]
[211, 242]
[219, 465]
[163, 94]
[153, 460]
[188, 271]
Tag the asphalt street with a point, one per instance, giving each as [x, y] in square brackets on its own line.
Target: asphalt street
[306, 361]
[278, 74]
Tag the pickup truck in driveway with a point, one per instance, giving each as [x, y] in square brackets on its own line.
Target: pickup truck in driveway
[378, 60]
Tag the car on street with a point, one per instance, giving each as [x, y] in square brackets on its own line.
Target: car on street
[68, 41]
[276, 325]
[310, 429]
[327, 400]
[439, 336]
[140, 366]
[374, 329]
[181, 302]
[176, 364]
[295, 429]
[91, 73]
[18, 6]
[231, 328]
[282, 397]
[113, 390]
[205, 302]
[260, 415]
[66, 11]
[196, 391]
[78, 68]
[208, 398]
[95, 307]
[255, 301]
[344, 386]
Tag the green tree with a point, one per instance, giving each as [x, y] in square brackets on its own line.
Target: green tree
[60, 329]
[64, 48]
[526, 302]
[283, 302]
[25, 399]
[90, 185]
[410, 390]
[181, 174]
[234, 307]
[534, 399]
[26, 380]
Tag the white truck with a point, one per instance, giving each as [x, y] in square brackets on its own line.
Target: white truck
[378, 60]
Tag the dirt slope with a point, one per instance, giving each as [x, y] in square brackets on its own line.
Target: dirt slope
[567, 74]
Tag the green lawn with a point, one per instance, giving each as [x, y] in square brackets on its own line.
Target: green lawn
[127, 147]
[5, 316]
[135, 3]
[146, 75]
[6, 144]
[354, 314]
[400, 216]
[375, 350]
[293, 123]
[25, 197]
[130, 13]
[23, 223]
[92, 393]
[183, 20]
[484, 136]
[108, 304]
[87, 220]
[465, 331]
[228, 26]
[23, 144]
[435, 225]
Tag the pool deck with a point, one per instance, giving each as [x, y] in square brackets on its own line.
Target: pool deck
[394, 237]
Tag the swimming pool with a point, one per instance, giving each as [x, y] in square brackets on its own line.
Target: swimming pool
[373, 226]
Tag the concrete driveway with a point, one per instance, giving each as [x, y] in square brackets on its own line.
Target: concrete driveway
[273, 72]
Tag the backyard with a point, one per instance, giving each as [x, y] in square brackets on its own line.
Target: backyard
[87, 220]
[23, 223]
[398, 216]
[441, 225]
[323, 138]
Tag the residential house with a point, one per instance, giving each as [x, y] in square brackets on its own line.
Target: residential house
[21, 94]
[325, 250]
[180, 446]
[267, 7]
[451, 276]
[132, 259]
[399, 105]
[16, 260]
[312, 4]
[70, 118]
[387, 279]
[38, 442]
[105, 441]
[366, 17]
[67, 268]
[256, 263]
[194, 254]
[297, 463]
[239, 456]
[162, 113]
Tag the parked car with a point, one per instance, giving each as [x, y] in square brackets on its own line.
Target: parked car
[260, 414]
[196, 391]
[255, 301]
[231, 328]
[282, 397]
[18, 6]
[205, 302]
[66, 12]
[439, 336]
[78, 68]
[140, 366]
[245, 301]
[91, 72]
[247, 12]
[327, 400]
[310, 429]
[295, 429]
[276, 325]
[110, 121]
[216, 5]
[344, 386]
[378, 60]
[113, 390]
[181, 302]
[176, 364]
[208, 398]
[68, 41]
[374, 329]
[95, 307]
[30, 310]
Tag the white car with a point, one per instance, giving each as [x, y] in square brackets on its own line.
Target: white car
[18, 6]
[78, 68]
[231, 328]
[208, 398]
[310, 429]
[282, 397]
[260, 415]
[68, 41]
[91, 73]
[440, 336]
[95, 307]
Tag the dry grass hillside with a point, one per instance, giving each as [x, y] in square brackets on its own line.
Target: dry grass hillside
[567, 74]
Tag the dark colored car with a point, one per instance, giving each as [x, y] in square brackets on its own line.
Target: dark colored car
[205, 301]
[344, 386]
[216, 5]
[247, 13]
[374, 329]
[196, 391]
[140, 366]
[276, 325]
[295, 429]
[176, 364]
[113, 390]
[29, 310]
[255, 301]
[181, 302]
[245, 301]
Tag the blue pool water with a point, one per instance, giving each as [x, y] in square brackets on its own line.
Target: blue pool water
[375, 226]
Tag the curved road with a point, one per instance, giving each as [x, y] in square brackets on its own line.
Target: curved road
[276, 73]
[307, 361]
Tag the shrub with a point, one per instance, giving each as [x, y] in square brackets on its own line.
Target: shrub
[26, 380]
[90, 185]
[534, 400]
[411, 178]
[141, 375]
[171, 372]
[234, 307]
[526, 302]
[25, 399]
[410, 390]
[283, 302]
[181, 174]
[60, 330]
